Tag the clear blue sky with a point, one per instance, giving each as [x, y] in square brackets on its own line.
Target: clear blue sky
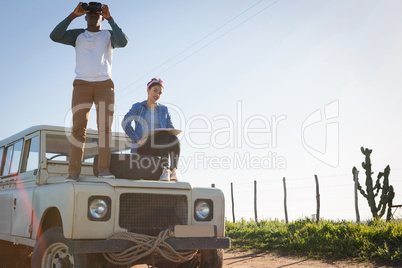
[262, 89]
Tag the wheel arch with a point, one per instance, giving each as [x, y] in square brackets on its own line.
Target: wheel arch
[51, 218]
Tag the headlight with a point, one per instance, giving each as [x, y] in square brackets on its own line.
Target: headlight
[203, 210]
[99, 208]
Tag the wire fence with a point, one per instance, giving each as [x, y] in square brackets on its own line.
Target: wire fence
[330, 197]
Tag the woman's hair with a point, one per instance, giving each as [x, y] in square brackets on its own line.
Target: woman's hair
[155, 81]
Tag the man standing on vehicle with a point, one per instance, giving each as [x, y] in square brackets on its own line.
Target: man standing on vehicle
[93, 82]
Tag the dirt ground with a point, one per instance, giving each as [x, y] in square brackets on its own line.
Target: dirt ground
[237, 259]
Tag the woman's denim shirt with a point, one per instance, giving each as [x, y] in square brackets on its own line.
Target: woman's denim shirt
[137, 113]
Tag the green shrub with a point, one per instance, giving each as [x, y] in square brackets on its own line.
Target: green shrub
[375, 241]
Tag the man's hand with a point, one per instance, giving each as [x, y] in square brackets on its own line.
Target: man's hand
[105, 12]
[78, 12]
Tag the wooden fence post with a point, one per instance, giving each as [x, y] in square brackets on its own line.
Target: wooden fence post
[255, 201]
[286, 210]
[356, 175]
[233, 212]
[318, 198]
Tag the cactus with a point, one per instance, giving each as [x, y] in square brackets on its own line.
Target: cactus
[387, 191]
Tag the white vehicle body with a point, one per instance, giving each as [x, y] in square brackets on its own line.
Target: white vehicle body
[34, 198]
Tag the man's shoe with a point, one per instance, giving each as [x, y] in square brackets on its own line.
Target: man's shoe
[106, 175]
[173, 175]
[72, 178]
[165, 175]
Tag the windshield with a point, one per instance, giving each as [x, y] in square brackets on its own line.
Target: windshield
[58, 147]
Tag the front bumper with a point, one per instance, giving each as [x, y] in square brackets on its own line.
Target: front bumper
[183, 243]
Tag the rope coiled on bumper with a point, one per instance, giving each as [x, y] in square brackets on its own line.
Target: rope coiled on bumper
[146, 245]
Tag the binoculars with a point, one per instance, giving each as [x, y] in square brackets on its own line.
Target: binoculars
[92, 7]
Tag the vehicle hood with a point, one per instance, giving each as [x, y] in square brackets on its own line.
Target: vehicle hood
[125, 183]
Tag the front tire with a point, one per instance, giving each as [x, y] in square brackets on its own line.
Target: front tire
[208, 258]
[212, 258]
[52, 250]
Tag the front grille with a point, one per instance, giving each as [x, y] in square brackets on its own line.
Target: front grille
[152, 213]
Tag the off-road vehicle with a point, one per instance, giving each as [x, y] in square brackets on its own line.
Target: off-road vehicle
[97, 222]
